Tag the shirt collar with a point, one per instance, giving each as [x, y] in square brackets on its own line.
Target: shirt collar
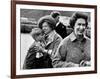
[73, 37]
[50, 37]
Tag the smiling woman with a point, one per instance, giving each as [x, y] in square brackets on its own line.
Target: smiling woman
[75, 48]
[48, 24]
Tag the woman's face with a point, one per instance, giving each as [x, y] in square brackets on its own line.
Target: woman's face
[80, 26]
[46, 28]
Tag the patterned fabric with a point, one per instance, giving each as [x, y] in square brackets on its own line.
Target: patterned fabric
[53, 41]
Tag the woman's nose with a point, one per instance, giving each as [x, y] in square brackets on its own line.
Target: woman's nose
[82, 27]
[43, 28]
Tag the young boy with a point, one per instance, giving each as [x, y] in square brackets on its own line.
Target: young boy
[37, 59]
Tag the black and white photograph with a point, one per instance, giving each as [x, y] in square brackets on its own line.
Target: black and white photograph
[55, 39]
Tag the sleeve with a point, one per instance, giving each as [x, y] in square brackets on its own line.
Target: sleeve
[59, 60]
[55, 46]
[29, 56]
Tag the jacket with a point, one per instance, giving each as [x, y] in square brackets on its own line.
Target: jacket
[73, 51]
[32, 62]
[61, 29]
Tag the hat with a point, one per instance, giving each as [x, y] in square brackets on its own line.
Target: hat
[47, 19]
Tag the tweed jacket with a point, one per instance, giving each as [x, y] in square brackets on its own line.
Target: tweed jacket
[53, 42]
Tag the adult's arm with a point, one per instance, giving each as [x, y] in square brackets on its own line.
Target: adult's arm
[59, 59]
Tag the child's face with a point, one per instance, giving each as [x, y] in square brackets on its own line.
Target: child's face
[39, 37]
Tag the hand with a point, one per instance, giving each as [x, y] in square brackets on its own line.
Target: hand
[88, 63]
[36, 48]
[41, 49]
[84, 63]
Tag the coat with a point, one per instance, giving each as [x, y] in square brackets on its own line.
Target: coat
[61, 29]
[53, 42]
[71, 51]
[31, 62]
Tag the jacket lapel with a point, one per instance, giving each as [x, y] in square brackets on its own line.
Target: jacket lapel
[51, 39]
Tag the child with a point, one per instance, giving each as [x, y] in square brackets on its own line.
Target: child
[37, 59]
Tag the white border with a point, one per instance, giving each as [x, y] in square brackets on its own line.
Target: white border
[53, 70]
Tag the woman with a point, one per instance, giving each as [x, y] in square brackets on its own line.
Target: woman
[52, 39]
[74, 50]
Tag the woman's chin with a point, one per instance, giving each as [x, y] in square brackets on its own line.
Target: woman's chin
[80, 34]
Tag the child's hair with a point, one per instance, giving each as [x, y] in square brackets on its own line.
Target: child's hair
[35, 33]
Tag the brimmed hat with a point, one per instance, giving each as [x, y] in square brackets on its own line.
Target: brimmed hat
[47, 19]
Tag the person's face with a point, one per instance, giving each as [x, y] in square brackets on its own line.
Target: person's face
[46, 28]
[80, 26]
[39, 37]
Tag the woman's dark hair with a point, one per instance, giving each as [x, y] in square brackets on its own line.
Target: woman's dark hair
[76, 16]
[47, 19]
[54, 14]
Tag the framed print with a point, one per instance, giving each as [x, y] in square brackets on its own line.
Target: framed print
[52, 39]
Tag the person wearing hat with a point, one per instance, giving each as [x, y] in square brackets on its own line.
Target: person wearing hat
[74, 50]
[37, 59]
[60, 27]
[52, 38]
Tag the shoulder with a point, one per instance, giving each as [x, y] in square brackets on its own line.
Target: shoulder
[57, 36]
[61, 24]
[32, 45]
[65, 40]
[88, 40]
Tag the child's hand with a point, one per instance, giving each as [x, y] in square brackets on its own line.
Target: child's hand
[41, 49]
[36, 48]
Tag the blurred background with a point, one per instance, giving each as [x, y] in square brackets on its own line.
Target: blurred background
[30, 17]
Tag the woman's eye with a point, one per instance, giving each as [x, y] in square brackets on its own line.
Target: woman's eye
[79, 24]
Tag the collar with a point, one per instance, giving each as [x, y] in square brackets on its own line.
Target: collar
[57, 23]
[51, 37]
[73, 37]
